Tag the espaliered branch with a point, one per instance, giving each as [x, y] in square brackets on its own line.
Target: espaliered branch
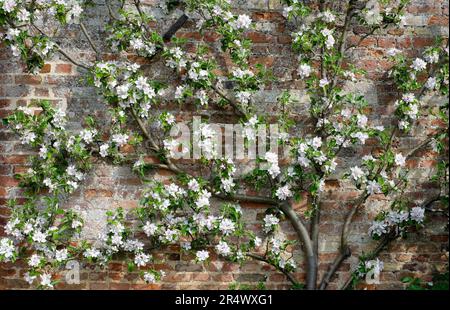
[200, 211]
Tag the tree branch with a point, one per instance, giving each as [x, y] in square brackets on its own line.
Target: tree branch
[88, 37]
[380, 246]
[263, 259]
[302, 233]
[62, 52]
[231, 101]
[388, 238]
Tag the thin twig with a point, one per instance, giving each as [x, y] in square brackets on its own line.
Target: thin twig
[231, 101]
[263, 259]
[62, 52]
[88, 37]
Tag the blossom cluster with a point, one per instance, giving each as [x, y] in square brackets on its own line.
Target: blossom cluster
[279, 255]
[407, 77]
[124, 83]
[19, 18]
[378, 12]
[182, 214]
[397, 219]
[129, 32]
[45, 234]
[231, 27]
[377, 181]
[371, 269]
[224, 171]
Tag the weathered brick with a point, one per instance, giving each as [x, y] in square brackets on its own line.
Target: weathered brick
[28, 79]
[112, 188]
[63, 68]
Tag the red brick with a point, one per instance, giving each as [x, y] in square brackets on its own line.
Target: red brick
[8, 181]
[28, 79]
[63, 68]
[438, 20]
[97, 193]
[4, 103]
[46, 68]
[258, 37]
[14, 159]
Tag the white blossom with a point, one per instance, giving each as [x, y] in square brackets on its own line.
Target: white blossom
[283, 192]
[39, 237]
[202, 255]
[350, 75]
[304, 70]
[61, 255]
[141, 259]
[376, 266]
[327, 16]
[316, 142]
[371, 13]
[400, 160]
[34, 260]
[223, 248]
[418, 64]
[179, 91]
[396, 217]
[270, 220]
[432, 58]
[122, 90]
[9, 5]
[431, 83]
[59, 118]
[88, 135]
[357, 173]
[242, 22]
[409, 98]
[227, 226]
[73, 172]
[43, 151]
[243, 97]
[417, 214]
[207, 141]
[46, 280]
[361, 136]
[149, 278]
[272, 159]
[120, 139]
[249, 130]
[7, 249]
[76, 224]
[227, 185]
[378, 228]
[373, 187]
[323, 82]
[393, 52]
[92, 253]
[287, 10]
[104, 150]
[12, 33]
[28, 137]
[240, 74]
[403, 125]
[186, 246]
[361, 120]
[193, 185]
[29, 278]
[203, 199]
[328, 34]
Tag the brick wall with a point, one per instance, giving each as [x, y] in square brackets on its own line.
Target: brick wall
[109, 187]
